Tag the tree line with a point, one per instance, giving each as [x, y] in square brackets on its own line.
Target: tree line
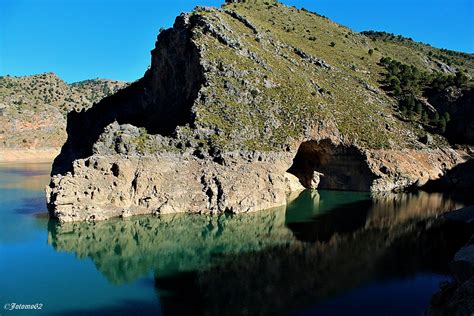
[407, 83]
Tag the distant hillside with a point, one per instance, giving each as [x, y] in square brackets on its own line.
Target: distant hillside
[33, 108]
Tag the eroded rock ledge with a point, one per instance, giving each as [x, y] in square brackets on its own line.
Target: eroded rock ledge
[111, 185]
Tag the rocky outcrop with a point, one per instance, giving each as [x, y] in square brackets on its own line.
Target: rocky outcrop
[159, 102]
[231, 118]
[106, 186]
[102, 187]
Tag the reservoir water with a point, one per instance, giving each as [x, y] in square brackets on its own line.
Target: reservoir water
[326, 253]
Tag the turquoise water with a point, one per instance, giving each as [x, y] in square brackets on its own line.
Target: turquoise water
[326, 253]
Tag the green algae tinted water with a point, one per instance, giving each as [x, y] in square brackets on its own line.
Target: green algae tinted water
[326, 253]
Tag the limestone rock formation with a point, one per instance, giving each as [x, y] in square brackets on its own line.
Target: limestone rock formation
[238, 109]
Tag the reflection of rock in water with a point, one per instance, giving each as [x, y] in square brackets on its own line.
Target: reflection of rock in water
[124, 250]
[309, 221]
[280, 279]
[390, 208]
[253, 264]
[344, 219]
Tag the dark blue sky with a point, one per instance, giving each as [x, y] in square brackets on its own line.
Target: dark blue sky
[82, 39]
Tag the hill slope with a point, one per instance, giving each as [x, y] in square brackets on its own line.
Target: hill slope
[33, 108]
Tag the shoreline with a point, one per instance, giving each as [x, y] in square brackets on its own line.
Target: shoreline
[25, 155]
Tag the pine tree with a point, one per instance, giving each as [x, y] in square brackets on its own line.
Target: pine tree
[447, 117]
[442, 125]
[418, 108]
[424, 117]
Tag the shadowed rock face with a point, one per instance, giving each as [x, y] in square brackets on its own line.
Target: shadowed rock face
[159, 102]
[459, 178]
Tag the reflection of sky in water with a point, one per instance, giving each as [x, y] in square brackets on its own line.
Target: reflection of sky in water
[110, 266]
[21, 196]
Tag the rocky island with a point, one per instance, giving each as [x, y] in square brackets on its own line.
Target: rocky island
[246, 103]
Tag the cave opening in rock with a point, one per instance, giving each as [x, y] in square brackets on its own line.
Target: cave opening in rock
[325, 165]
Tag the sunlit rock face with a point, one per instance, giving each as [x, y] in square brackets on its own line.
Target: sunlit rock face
[168, 183]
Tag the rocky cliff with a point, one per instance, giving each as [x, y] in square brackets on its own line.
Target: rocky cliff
[241, 105]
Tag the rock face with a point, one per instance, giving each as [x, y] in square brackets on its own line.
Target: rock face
[106, 186]
[102, 187]
[231, 117]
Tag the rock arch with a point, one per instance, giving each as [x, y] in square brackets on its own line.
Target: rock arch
[325, 165]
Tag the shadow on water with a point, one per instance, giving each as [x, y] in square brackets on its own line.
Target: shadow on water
[322, 222]
[276, 261]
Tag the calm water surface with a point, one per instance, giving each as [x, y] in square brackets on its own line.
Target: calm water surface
[326, 253]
